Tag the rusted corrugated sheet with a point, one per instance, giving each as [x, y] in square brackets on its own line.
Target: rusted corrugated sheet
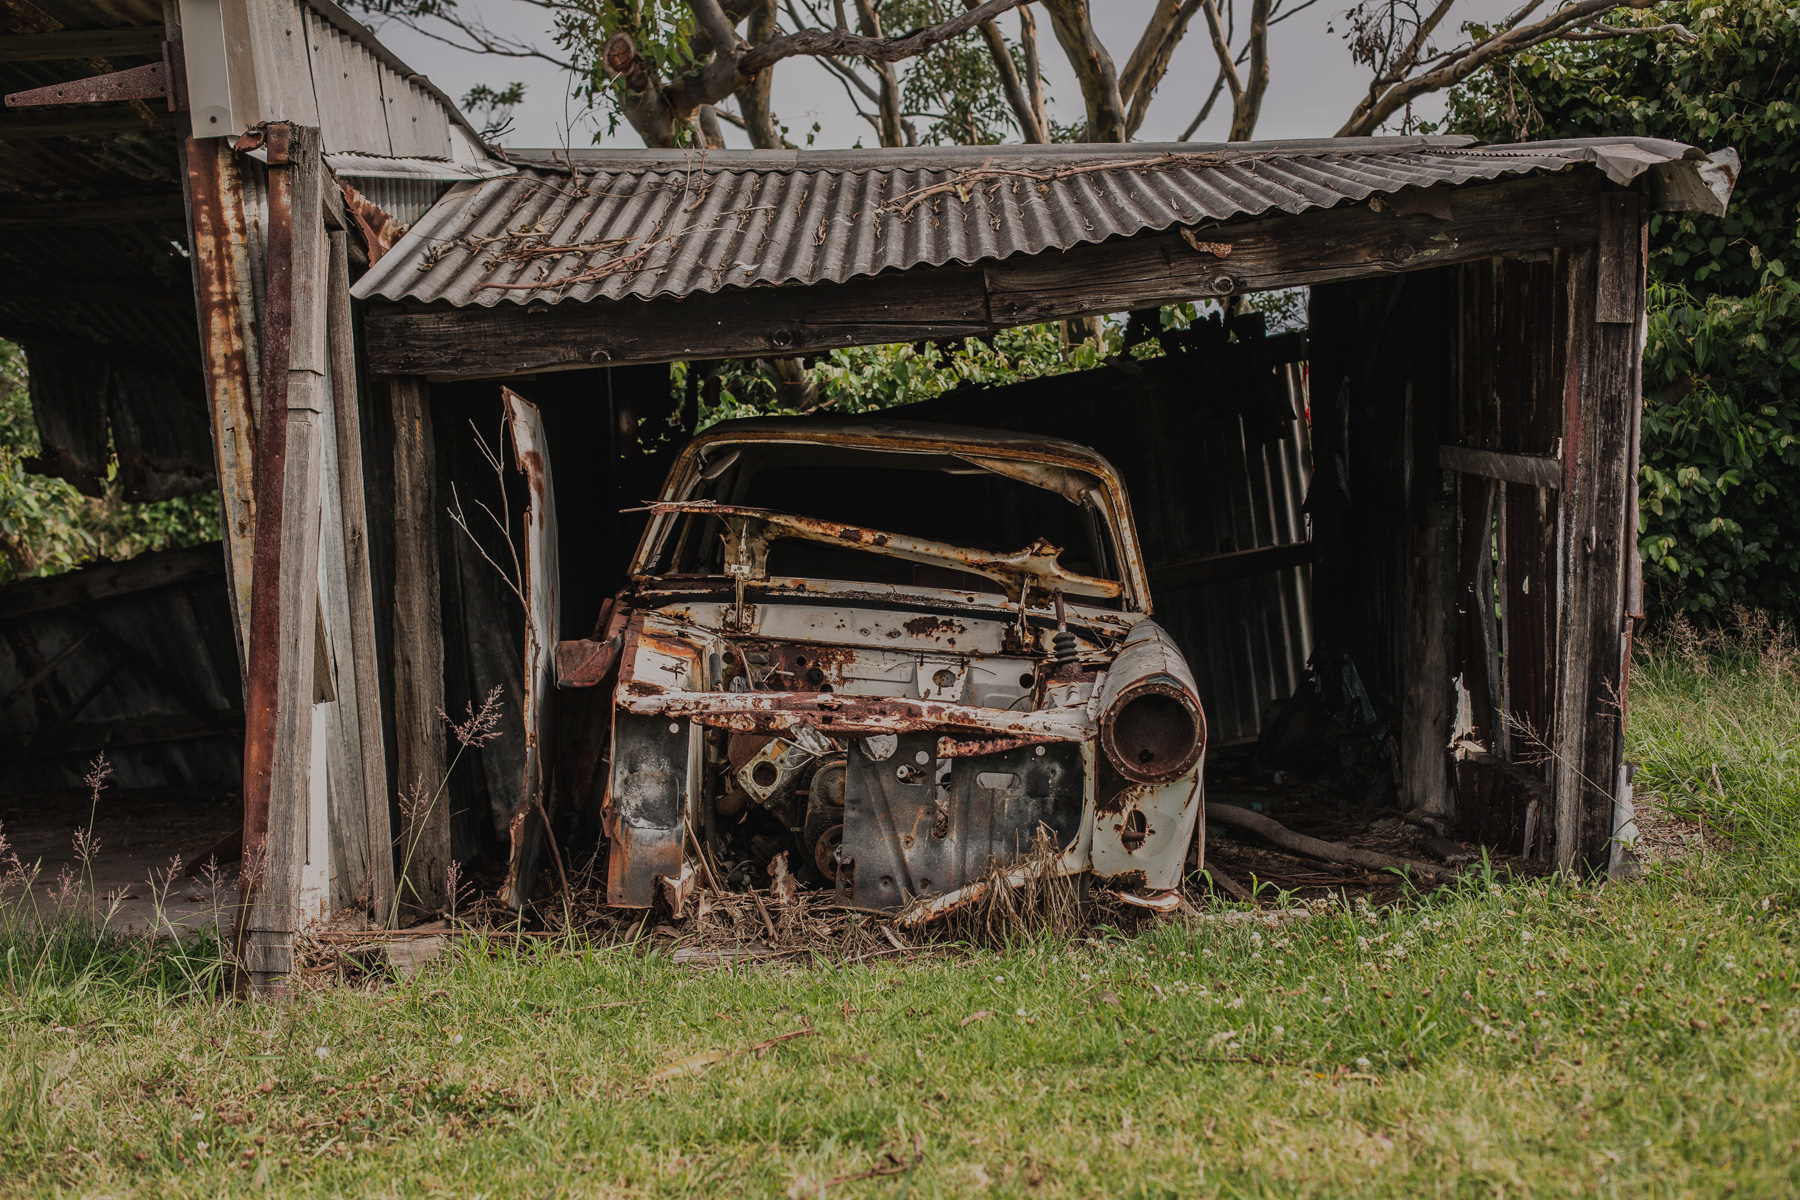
[652, 223]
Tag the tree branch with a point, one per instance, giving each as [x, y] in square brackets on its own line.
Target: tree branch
[1248, 107]
[1034, 75]
[1222, 49]
[1460, 64]
[1010, 82]
[1093, 67]
[840, 42]
[1157, 66]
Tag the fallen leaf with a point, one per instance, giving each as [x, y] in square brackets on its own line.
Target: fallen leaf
[980, 1014]
[693, 1064]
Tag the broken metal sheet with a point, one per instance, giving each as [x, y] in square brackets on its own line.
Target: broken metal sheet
[646, 805]
[750, 530]
[531, 456]
[915, 825]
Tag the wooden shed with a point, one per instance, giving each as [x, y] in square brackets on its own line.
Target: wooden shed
[1436, 477]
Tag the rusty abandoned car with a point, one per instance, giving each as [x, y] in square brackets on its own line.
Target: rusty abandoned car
[895, 653]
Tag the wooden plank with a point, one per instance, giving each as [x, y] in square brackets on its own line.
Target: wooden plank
[418, 643]
[357, 584]
[1618, 289]
[1532, 470]
[1238, 564]
[155, 569]
[957, 301]
[531, 455]
[74, 45]
[1291, 250]
[220, 236]
[343, 884]
[1603, 390]
[512, 339]
[275, 916]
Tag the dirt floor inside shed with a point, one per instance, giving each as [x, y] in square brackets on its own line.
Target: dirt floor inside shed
[137, 837]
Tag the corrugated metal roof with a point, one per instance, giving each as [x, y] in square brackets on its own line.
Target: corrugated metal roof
[612, 224]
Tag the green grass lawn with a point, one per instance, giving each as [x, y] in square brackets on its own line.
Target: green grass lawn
[1496, 1039]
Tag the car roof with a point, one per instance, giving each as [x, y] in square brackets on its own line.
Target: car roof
[910, 437]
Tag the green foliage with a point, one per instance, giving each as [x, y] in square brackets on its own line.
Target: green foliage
[1721, 475]
[661, 30]
[956, 86]
[865, 378]
[46, 526]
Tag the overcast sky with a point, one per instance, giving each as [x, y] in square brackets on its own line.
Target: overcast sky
[1313, 84]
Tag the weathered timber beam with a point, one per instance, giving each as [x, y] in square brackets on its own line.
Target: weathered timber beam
[1293, 250]
[157, 569]
[73, 45]
[112, 210]
[1532, 470]
[1238, 564]
[510, 339]
[1265, 253]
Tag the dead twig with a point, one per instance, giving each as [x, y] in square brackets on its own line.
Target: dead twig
[892, 1165]
[1312, 847]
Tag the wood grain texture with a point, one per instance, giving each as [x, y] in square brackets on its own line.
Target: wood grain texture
[418, 649]
[1604, 389]
[275, 916]
[1531, 470]
[359, 588]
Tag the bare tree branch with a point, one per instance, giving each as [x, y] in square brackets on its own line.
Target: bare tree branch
[1010, 83]
[874, 49]
[1034, 75]
[1093, 67]
[1222, 48]
[1156, 66]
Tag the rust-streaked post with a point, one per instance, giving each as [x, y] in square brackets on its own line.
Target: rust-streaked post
[278, 735]
[220, 242]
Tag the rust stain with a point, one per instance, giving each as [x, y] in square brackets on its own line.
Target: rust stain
[931, 626]
[380, 230]
[951, 748]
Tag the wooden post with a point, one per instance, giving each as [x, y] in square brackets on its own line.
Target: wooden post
[346, 410]
[1427, 707]
[279, 734]
[1604, 291]
[419, 653]
[219, 236]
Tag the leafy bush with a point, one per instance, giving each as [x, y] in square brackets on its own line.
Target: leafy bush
[46, 526]
[1721, 471]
